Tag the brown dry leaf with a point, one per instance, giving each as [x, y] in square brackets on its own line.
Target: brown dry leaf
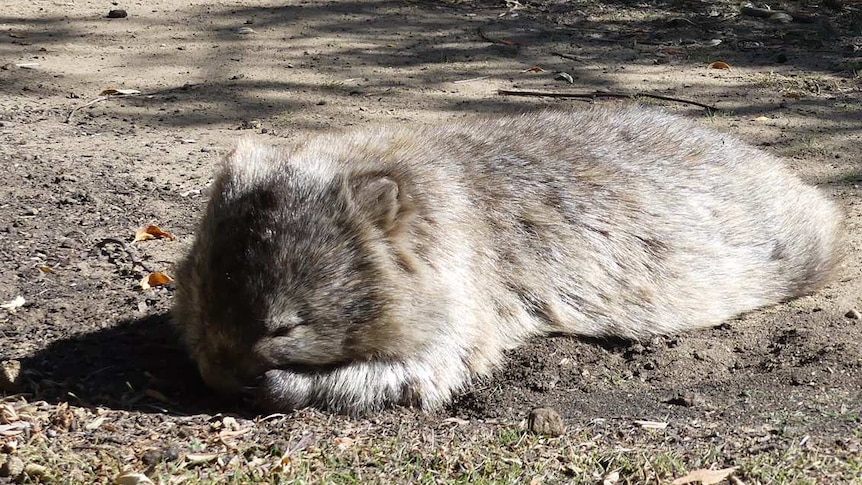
[63, 417]
[344, 442]
[705, 476]
[8, 414]
[118, 92]
[535, 69]
[673, 51]
[155, 279]
[153, 232]
[45, 269]
[718, 65]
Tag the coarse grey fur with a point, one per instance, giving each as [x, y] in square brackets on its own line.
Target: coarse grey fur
[390, 264]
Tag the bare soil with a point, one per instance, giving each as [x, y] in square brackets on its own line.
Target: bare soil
[103, 385]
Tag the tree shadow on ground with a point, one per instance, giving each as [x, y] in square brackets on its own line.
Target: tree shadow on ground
[401, 49]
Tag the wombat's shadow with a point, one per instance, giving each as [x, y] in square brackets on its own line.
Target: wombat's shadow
[136, 364]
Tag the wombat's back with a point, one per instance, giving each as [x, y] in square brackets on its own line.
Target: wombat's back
[632, 222]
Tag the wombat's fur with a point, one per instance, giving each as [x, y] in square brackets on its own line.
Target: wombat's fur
[389, 265]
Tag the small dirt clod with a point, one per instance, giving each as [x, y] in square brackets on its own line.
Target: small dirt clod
[12, 468]
[117, 13]
[545, 421]
[853, 314]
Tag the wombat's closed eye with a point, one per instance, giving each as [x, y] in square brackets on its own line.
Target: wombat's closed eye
[389, 265]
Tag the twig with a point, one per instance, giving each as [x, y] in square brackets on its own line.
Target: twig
[496, 41]
[89, 103]
[604, 94]
[126, 249]
[462, 81]
[567, 56]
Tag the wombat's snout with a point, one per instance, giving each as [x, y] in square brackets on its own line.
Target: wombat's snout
[230, 373]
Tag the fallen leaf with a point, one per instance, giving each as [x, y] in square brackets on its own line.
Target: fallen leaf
[718, 65]
[673, 51]
[611, 478]
[14, 429]
[705, 476]
[45, 269]
[155, 279]
[534, 69]
[198, 458]
[119, 92]
[153, 232]
[226, 435]
[566, 76]
[95, 424]
[132, 478]
[344, 442]
[651, 424]
[15, 304]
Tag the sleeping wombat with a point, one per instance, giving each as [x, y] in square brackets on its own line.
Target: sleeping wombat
[388, 265]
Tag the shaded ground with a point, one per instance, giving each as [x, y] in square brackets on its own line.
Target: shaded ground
[104, 387]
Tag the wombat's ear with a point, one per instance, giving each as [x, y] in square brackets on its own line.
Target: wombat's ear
[378, 196]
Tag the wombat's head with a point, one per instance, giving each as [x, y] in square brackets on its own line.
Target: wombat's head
[297, 288]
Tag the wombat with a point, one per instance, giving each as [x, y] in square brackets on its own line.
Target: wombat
[389, 265]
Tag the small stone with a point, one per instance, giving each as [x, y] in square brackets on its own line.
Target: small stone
[853, 314]
[12, 468]
[151, 457]
[545, 421]
[117, 13]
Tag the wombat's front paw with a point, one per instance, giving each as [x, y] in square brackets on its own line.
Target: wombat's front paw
[358, 387]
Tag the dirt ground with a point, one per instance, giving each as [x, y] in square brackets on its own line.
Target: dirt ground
[103, 386]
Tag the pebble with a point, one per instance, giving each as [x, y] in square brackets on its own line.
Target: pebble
[117, 13]
[853, 314]
[545, 421]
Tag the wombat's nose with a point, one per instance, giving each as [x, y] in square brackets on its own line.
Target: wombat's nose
[221, 379]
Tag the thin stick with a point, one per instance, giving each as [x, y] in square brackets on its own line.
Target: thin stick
[604, 94]
[89, 103]
[492, 40]
[567, 56]
[126, 249]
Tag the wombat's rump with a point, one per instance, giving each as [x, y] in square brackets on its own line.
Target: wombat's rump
[389, 265]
